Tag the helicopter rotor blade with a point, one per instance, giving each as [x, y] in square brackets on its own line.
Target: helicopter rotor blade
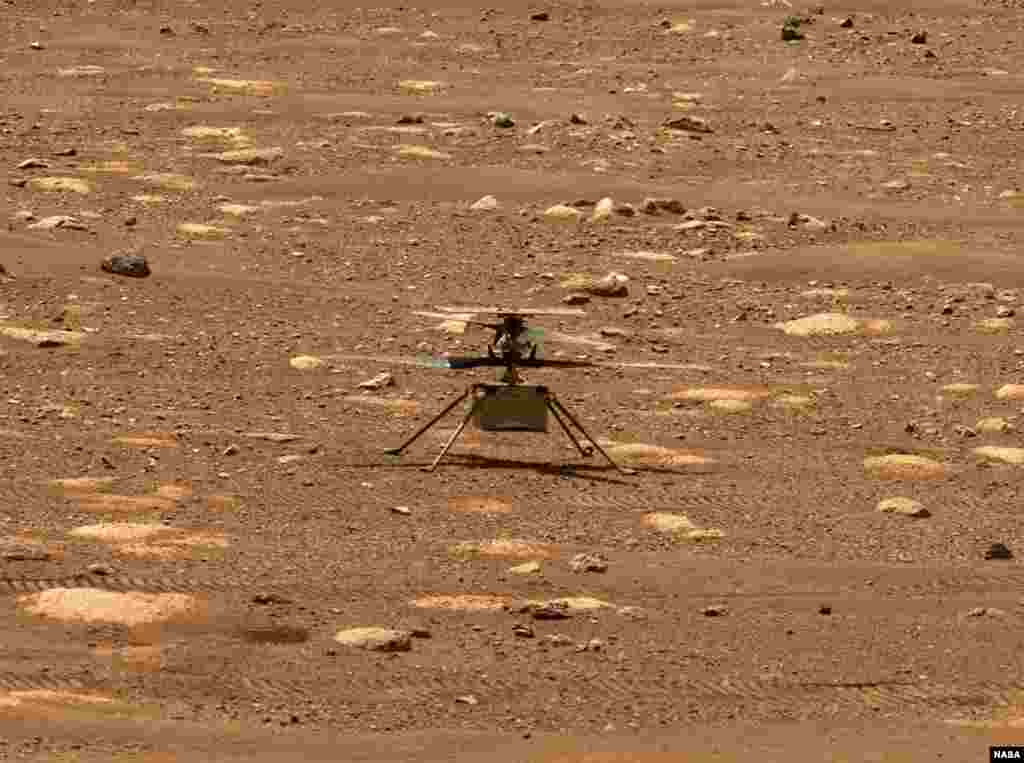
[457, 318]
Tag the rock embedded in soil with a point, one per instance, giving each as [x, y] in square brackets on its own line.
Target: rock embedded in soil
[998, 551]
[1013, 456]
[93, 605]
[485, 204]
[306, 362]
[588, 563]
[131, 265]
[563, 213]
[60, 185]
[376, 639]
[993, 425]
[907, 507]
[908, 466]
[828, 324]
[53, 222]
[1010, 392]
[527, 568]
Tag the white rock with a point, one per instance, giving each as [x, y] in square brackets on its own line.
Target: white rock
[376, 639]
[906, 506]
[381, 380]
[485, 204]
[563, 213]
[603, 210]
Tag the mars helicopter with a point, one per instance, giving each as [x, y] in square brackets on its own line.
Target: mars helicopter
[511, 405]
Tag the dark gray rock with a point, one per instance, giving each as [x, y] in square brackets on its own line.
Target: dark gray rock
[131, 265]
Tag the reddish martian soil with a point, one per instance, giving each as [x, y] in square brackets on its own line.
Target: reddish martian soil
[813, 243]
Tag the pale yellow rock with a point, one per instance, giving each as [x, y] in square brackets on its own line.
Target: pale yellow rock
[602, 210]
[93, 605]
[233, 135]
[114, 532]
[375, 639]
[649, 256]
[59, 185]
[1006, 455]
[83, 484]
[306, 362]
[960, 389]
[146, 441]
[528, 568]
[575, 603]
[110, 503]
[822, 324]
[907, 466]
[711, 394]
[639, 453]
[730, 406]
[202, 230]
[421, 86]
[994, 325]
[793, 401]
[906, 506]
[485, 204]
[248, 156]
[408, 151]
[149, 198]
[669, 523]
[41, 337]
[257, 87]
[463, 602]
[681, 27]
[50, 699]
[563, 213]
[826, 293]
[169, 181]
[238, 210]
[1010, 392]
[993, 425]
[508, 547]
[87, 70]
[398, 405]
[113, 167]
[701, 534]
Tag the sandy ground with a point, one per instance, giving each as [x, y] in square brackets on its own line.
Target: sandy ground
[833, 267]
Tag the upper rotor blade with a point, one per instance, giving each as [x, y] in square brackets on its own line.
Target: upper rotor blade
[554, 363]
[423, 362]
[525, 311]
[474, 362]
[642, 366]
[458, 318]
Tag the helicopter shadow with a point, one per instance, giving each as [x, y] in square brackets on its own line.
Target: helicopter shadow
[598, 473]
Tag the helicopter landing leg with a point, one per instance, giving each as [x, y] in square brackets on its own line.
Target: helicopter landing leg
[556, 405]
[586, 452]
[455, 435]
[398, 451]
